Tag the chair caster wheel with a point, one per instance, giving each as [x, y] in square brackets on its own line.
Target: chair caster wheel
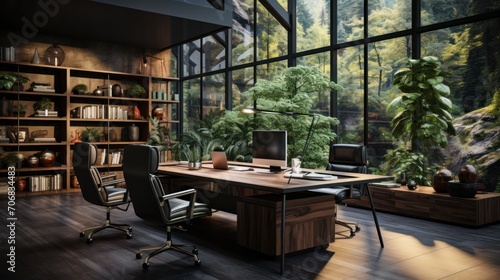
[353, 234]
[129, 229]
[145, 265]
[89, 240]
[82, 234]
[138, 255]
[195, 251]
[197, 263]
[129, 236]
[358, 229]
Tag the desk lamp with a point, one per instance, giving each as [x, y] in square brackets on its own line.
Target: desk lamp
[309, 134]
[145, 63]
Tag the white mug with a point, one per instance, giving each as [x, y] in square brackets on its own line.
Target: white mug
[296, 165]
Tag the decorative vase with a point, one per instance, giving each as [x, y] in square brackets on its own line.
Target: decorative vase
[54, 55]
[412, 185]
[74, 182]
[36, 57]
[136, 113]
[21, 185]
[116, 90]
[441, 179]
[158, 112]
[47, 158]
[33, 161]
[6, 108]
[133, 133]
[467, 174]
[77, 137]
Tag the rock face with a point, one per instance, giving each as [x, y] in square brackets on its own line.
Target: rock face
[477, 143]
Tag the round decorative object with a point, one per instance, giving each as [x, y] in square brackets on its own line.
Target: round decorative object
[33, 161]
[54, 55]
[467, 174]
[74, 182]
[158, 112]
[98, 92]
[47, 158]
[116, 89]
[440, 180]
[136, 113]
[21, 185]
[465, 190]
[133, 133]
[412, 185]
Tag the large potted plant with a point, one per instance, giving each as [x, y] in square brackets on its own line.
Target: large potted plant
[422, 118]
[8, 81]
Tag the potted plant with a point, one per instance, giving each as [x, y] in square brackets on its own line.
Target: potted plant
[136, 91]
[79, 89]
[43, 104]
[13, 159]
[158, 136]
[91, 134]
[8, 81]
[19, 109]
[422, 120]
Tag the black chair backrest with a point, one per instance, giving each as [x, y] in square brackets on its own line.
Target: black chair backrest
[140, 163]
[83, 159]
[348, 158]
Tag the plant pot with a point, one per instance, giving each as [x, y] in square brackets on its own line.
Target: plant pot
[465, 190]
[133, 133]
[194, 165]
[440, 180]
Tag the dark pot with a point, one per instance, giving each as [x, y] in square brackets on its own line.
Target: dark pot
[466, 190]
[33, 161]
[133, 133]
[467, 174]
[441, 179]
[47, 158]
[116, 89]
[412, 185]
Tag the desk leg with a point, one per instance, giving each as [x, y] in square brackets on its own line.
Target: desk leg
[282, 267]
[372, 206]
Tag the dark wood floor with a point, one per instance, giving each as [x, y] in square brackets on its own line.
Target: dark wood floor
[48, 246]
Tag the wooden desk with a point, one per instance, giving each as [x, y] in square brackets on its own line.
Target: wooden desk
[273, 183]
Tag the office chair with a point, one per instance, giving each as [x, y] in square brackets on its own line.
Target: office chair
[99, 190]
[152, 204]
[347, 158]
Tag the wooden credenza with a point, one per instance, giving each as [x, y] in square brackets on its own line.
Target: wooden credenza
[425, 203]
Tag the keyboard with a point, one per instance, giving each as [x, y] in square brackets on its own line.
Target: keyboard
[311, 176]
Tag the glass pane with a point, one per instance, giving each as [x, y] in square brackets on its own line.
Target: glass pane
[214, 53]
[242, 81]
[321, 102]
[242, 33]
[313, 24]
[471, 61]
[191, 102]
[214, 93]
[438, 11]
[350, 20]
[192, 58]
[384, 59]
[267, 71]
[271, 36]
[350, 100]
[388, 16]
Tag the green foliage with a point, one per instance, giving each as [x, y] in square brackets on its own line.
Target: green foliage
[496, 103]
[423, 116]
[43, 104]
[136, 90]
[7, 80]
[414, 164]
[157, 135]
[195, 145]
[91, 134]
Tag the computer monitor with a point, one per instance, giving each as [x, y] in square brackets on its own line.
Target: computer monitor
[270, 148]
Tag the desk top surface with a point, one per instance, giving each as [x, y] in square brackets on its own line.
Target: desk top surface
[273, 182]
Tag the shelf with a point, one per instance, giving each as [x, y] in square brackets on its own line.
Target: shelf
[65, 102]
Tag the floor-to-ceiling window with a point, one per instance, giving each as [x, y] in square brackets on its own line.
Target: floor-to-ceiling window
[359, 43]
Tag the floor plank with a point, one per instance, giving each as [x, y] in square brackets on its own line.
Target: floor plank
[48, 246]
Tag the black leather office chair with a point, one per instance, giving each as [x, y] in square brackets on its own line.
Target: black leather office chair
[347, 158]
[99, 190]
[150, 202]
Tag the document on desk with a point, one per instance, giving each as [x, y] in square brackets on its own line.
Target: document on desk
[311, 176]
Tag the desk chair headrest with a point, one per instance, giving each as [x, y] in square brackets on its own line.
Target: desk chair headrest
[85, 149]
[153, 157]
[350, 154]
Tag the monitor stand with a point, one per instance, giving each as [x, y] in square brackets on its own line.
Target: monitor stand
[275, 169]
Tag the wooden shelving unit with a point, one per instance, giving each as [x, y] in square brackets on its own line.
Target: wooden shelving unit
[69, 119]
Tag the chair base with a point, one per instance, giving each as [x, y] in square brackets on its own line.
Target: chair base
[353, 229]
[90, 231]
[165, 247]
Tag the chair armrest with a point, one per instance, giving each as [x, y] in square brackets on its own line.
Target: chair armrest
[108, 176]
[112, 182]
[192, 199]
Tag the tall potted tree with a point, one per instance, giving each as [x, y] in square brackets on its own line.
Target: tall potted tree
[422, 118]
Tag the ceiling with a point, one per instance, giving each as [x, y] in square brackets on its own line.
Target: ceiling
[151, 24]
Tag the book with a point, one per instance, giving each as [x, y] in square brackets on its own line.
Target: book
[384, 185]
